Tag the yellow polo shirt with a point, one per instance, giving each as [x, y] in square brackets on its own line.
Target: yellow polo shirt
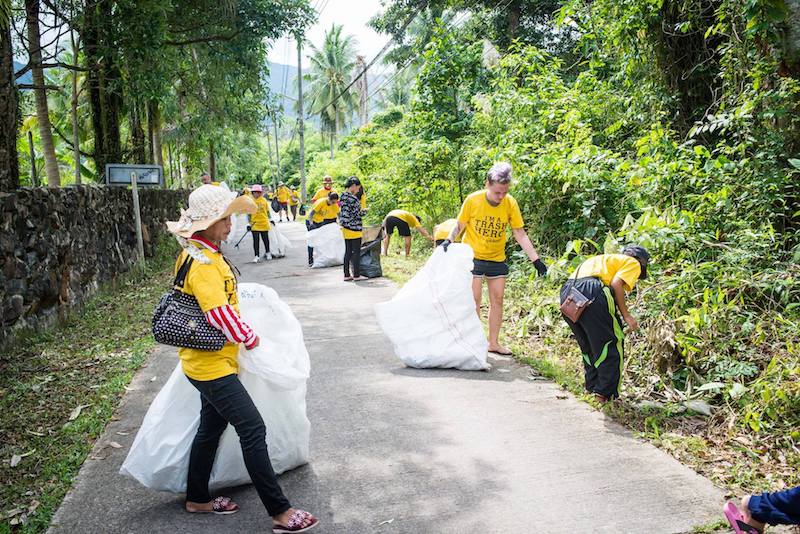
[606, 267]
[486, 225]
[443, 229]
[283, 195]
[322, 193]
[213, 285]
[260, 219]
[405, 216]
[294, 199]
[323, 211]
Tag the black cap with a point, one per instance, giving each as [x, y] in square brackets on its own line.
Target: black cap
[641, 254]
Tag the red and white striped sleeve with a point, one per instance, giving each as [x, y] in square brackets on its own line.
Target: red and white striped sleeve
[225, 319]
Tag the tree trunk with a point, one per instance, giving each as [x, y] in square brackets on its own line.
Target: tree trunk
[300, 123]
[513, 16]
[40, 93]
[154, 115]
[76, 142]
[333, 137]
[9, 115]
[212, 161]
[103, 81]
[171, 172]
[137, 134]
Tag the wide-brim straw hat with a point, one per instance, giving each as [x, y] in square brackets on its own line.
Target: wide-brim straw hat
[209, 204]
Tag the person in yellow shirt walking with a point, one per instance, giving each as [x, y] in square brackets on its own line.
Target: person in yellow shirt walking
[259, 223]
[603, 280]
[283, 195]
[294, 201]
[324, 211]
[404, 221]
[210, 279]
[325, 190]
[486, 216]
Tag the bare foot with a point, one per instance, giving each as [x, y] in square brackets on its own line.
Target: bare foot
[500, 349]
[293, 520]
[745, 511]
[220, 505]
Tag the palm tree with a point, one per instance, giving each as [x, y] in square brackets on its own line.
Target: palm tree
[331, 71]
[9, 113]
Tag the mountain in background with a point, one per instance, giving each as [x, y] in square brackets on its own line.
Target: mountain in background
[27, 78]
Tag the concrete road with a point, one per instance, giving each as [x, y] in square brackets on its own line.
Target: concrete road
[414, 451]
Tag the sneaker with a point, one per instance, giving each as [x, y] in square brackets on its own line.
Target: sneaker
[267, 256]
[256, 259]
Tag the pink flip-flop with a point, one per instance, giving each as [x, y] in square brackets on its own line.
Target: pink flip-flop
[734, 517]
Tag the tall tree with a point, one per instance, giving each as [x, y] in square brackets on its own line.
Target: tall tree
[40, 93]
[331, 68]
[9, 112]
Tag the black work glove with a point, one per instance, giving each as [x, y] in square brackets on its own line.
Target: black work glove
[541, 268]
[249, 228]
[445, 244]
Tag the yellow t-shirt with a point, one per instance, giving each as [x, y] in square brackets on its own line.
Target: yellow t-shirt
[260, 219]
[322, 193]
[213, 285]
[352, 234]
[323, 211]
[294, 198]
[443, 229]
[283, 195]
[486, 224]
[405, 216]
[608, 266]
[363, 200]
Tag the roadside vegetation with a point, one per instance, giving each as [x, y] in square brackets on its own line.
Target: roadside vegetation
[59, 389]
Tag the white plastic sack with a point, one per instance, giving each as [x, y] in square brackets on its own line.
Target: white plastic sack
[278, 243]
[274, 374]
[328, 245]
[431, 321]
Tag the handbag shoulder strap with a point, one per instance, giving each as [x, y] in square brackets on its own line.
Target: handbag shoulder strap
[180, 278]
[577, 272]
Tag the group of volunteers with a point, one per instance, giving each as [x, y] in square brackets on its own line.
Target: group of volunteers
[592, 301]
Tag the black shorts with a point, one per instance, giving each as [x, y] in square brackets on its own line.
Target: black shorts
[489, 269]
[402, 227]
[283, 205]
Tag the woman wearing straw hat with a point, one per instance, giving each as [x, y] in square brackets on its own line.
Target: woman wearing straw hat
[259, 223]
[224, 400]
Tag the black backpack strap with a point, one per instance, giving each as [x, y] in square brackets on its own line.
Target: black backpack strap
[180, 278]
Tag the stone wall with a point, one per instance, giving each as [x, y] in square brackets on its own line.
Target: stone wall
[58, 245]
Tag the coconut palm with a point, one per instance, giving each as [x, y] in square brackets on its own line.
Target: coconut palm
[330, 73]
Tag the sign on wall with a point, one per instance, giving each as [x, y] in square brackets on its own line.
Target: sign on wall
[146, 175]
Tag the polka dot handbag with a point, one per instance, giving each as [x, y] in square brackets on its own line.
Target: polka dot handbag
[178, 320]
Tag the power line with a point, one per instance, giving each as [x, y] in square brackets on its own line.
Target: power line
[383, 51]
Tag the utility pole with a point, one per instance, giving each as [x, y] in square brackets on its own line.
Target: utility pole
[363, 91]
[277, 154]
[300, 124]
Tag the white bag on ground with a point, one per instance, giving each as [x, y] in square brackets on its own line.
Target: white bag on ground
[431, 321]
[274, 374]
[278, 243]
[328, 245]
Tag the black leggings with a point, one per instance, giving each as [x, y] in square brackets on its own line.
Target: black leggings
[264, 237]
[352, 253]
[223, 401]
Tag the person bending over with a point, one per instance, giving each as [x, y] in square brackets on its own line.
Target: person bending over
[603, 280]
[404, 221]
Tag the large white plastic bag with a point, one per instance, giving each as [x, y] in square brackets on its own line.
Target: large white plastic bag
[432, 321]
[328, 245]
[278, 243]
[274, 375]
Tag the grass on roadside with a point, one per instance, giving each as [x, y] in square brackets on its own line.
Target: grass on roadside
[59, 389]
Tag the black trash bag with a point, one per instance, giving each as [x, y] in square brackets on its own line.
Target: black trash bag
[276, 206]
[370, 260]
[302, 210]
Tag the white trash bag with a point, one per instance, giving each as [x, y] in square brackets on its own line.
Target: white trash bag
[274, 374]
[431, 321]
[278, 243]
[328, 245]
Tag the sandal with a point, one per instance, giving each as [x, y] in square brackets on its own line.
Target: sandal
[220, 506]
[348, 279]
[734, 517]
[299, 521]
